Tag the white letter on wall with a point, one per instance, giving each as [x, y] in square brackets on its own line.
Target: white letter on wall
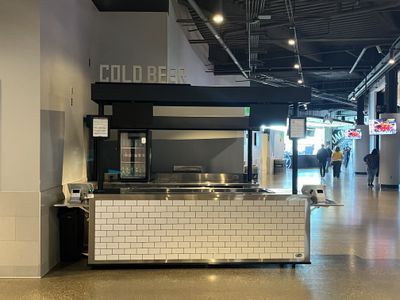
[137, 74]
[103, 77]
[162, 74]
[124, 74]
[172, 76]
[115, 73]
[151, 74]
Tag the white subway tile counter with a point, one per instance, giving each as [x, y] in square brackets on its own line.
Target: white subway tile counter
[203, 228]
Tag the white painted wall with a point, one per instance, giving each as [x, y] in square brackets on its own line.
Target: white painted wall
[277, 144]
[19, 137]
[66, 47]
[67, 43]
[131, 38]
[195, 134]
[198, 72]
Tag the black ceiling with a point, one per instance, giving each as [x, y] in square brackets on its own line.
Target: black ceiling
[331, 34]
[132, 5]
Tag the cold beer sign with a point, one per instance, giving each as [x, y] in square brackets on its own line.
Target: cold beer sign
[140, 74]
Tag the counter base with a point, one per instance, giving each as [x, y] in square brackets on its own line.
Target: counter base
[198, 229]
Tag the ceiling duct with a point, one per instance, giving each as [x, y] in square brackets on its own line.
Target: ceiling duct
[262, 78]
[201, 15]
[381, 68]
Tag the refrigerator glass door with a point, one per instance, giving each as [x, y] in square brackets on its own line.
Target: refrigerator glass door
[133, 155]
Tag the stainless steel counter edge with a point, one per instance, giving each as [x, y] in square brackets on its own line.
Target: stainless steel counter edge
[194, 196]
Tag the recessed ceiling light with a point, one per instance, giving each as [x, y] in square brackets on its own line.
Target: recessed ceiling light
[291, 42]
[296, 66]
[300, 81]
[218, 18]
[392, 61]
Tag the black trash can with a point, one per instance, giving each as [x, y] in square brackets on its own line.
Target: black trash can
[71, 222]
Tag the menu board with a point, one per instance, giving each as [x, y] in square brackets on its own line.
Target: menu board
[100, 127]
[297, 128]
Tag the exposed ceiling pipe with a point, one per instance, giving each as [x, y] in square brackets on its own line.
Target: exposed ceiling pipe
[276, 82]
[201, 15]
[358, 60]
[381, 68]
[331, 99]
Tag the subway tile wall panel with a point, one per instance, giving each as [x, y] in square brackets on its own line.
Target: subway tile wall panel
[147, 230]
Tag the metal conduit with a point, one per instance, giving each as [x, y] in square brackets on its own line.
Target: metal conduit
[268, 80]
[382, 67]
[358, 60]
[200, 13]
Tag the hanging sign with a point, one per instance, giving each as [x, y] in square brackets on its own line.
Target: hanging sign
[100, 127]
[297, 128]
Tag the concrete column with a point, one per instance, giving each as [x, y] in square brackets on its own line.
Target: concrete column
[389, 167]
[361, 148]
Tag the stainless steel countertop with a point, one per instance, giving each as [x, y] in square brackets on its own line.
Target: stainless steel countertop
[193, 196]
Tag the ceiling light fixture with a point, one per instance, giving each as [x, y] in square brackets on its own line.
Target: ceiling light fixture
[296, 66]
[300, 81]
[392, 61]
[291, 42]
[264, 17]
[218, 18]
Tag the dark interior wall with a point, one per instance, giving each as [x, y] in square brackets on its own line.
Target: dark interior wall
[215, 155]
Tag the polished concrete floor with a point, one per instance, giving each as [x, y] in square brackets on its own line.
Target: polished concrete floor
[355, 255]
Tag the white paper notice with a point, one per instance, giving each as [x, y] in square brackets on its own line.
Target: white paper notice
[100, 127]
[297, 128]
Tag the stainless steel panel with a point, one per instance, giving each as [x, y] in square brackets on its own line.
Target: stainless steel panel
[180, 190]
[191, 196]
[199, 178]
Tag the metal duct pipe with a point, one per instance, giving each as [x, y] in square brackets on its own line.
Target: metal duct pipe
[381, 68]
[273, 81]
[358, 60]
[201, 15]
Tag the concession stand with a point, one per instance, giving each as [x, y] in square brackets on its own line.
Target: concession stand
[189, 215]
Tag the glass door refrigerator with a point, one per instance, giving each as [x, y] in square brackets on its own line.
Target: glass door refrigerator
[134, 155]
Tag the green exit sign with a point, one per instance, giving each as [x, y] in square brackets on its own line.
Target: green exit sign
[247, 111]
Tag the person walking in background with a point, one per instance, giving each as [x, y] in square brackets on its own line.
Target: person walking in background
[337, 157]
[346, 154]
[372, 161]
[322, 157]
[328, 161]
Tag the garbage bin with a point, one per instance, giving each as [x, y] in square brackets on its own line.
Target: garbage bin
[71, 222]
